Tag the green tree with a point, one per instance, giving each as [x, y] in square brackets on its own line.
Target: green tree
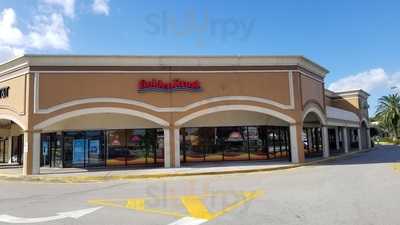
[388, 114]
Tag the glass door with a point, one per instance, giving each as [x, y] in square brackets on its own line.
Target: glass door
[2, 151]
[17, 149]
[45, 156]
[74, 149]
[159, 146]
[95, 149]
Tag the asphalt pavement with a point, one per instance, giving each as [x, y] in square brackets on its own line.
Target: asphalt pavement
[362, 189]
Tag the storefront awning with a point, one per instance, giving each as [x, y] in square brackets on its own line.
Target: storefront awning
[340, 117]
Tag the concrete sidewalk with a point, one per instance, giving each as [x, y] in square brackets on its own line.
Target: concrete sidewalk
[76, 175]
[9, 165]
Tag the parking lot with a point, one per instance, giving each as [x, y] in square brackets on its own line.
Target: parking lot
[363, 189]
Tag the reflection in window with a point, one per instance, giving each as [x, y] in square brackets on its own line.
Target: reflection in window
[135, 147]
[312, 140]
[234, 143]
[105, 148]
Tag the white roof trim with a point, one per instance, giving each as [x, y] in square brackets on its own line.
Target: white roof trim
[115, 60]
[333, 113]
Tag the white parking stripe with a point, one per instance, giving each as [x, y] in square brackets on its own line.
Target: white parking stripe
[188, 221]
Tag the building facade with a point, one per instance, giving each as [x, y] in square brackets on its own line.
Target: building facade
[117, 111]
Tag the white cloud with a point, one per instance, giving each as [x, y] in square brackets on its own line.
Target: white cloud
[9, 33]
[7, 52]
[368, 81]
[101, 7]
[395, 80]
[49, 32]
[11, 38]
[68, 6]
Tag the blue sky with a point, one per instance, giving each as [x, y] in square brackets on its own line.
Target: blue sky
[358, 41]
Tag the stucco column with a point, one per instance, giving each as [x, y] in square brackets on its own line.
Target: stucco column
[177, 148]
[325, 141]
[296, 143]
[345, 139]
[31, 149]
[9, 149]
[369, 137]
[167, 147]
[337, 138]
[359, 139]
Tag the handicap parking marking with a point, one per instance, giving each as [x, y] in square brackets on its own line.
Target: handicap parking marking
[195, 209]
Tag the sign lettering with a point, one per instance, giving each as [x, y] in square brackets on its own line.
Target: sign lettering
[173, 86]
[4, 92]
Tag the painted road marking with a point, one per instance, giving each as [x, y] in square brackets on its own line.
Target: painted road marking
[194, 204]
[195, 207]
[189, 221]
[135, 204]
[396, 166]
[63, 215]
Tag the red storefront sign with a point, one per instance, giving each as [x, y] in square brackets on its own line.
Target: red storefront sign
[162, 86]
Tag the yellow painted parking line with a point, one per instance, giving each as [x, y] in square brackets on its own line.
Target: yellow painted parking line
[137, 204]
[195, 207]
[396, 166]
[248, 197]
[194, 204]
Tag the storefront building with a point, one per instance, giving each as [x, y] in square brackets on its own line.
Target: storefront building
[144, 111]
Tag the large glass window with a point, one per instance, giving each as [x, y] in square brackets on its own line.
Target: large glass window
[135, 147]
[312, 139]
[258, 143]
[234, 143]
[74, 149]
[95, 148]
[159, 146]
[116, 146]
[51, 150]
[4, 153]
[103, 148]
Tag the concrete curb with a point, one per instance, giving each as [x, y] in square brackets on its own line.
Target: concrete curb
[103, 178]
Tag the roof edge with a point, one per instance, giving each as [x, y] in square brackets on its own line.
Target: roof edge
[166, 60]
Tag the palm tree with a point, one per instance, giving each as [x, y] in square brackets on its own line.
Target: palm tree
[388, 114]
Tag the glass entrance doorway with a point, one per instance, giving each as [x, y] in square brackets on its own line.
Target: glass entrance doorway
[83, 148]
[4, 150]
[51, 154]
[95, 149]
[17, 149]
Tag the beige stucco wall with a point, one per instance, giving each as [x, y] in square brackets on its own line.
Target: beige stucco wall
[312, 90]
[350, 104]
[56, 89]
[15, 102]
[67, 87]
[101, 121]
[328, 101]
[235, 118]
[15, 130]
[15, 106]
